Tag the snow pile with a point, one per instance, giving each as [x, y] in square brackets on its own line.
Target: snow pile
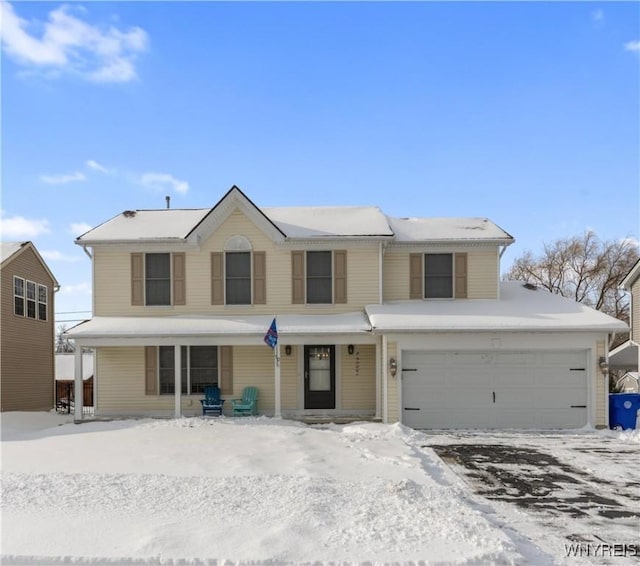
[192, 490]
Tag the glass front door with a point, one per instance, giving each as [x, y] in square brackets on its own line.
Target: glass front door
[319, 377]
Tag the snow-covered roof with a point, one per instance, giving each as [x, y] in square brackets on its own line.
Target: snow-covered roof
[517, 309]
[133, 225]
[7, 249]
[446, 229]
[301, 222]
[65, 366]
[329, 221]
[192, 326]
[624, 356]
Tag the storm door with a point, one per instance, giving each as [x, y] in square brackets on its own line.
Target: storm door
[319, 377]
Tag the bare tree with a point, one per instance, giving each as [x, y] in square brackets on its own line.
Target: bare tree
[63, 345]
[583, 268]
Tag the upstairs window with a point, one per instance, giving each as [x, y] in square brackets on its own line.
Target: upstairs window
[18, 296]
[238, 278]
[157, 279]
[31, 299]
[42, 302]
[319, 278]
[438, 276]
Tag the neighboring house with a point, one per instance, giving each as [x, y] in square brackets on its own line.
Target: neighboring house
[401, 319]
[628, 383]
[27, 329]
[627, 355]
[65, 377]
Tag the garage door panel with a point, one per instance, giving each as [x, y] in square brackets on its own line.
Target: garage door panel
[533, 389]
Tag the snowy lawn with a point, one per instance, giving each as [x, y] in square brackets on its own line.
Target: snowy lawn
[202, 491]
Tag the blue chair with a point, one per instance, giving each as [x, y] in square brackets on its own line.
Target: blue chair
[248, 405]
[212, 402]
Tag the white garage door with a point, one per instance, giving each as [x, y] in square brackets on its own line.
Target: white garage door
[534, 389]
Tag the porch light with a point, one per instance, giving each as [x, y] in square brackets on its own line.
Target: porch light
[393, 367]
[287, 350]
[604, 366]
[350, 349]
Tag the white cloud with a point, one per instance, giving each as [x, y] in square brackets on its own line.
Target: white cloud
[632, 46]
[91, 164]
[63, 179]
[597, 15]
[20, 227]
[79, 228]
[55, 255]
[79, 289]
[67, 43]
[163, 181]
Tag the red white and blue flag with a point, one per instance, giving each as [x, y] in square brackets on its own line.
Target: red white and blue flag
[271, 337]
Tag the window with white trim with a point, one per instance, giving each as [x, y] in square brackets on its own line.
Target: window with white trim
[31, 300]
[199, 368]
[319, 278]
[18, 296]
[42, 302]
[157, 276]
[438, 276]
[237, 278]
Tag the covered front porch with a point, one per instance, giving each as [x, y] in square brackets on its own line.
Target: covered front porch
[323, 366]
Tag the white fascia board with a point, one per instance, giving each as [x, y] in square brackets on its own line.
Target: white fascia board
[333, 241]
[221, 211]
[429, 244]
[168, 245]
[631, 277]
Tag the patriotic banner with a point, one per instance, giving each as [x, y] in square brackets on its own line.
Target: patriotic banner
[271, 337]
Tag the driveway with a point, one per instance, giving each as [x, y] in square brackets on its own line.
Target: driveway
[581, 487]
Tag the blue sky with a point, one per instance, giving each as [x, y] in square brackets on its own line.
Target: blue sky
[526, 113]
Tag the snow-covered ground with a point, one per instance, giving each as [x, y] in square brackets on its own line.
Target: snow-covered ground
[205, 491]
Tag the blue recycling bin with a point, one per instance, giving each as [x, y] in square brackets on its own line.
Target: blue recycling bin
[623, 410]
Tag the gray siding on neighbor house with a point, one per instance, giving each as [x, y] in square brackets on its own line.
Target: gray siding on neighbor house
[26, 345]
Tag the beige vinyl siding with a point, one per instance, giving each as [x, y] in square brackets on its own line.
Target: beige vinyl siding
[289, 378]
[26, 344]
[602, 389]
[482, 274]
[393, 386]
[635, 311]
[112, 277]
[253, 365]
[359, 378]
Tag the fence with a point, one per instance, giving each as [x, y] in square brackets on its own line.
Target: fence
[65, 396]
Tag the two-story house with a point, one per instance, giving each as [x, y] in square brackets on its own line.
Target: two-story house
[399, 319]
[27, 329]
[627, 355]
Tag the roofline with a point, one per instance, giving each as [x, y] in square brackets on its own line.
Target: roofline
[630, 278]
[24, 246]
[234, 188]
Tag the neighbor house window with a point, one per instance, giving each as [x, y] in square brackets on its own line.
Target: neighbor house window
[158, 279]
[199, 368]
[238, 278]
[438, 276]
[42, 302]
[31, 299]
[18, 296]
[319, 278]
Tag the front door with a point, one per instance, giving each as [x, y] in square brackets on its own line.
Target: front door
[319, 377]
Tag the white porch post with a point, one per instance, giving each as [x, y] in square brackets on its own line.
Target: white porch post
[378, 376]
[385, 361]
[276, 351]
[78, 392]
[178, 382]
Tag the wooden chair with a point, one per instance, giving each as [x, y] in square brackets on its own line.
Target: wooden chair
[248, 405]
[212, 402]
